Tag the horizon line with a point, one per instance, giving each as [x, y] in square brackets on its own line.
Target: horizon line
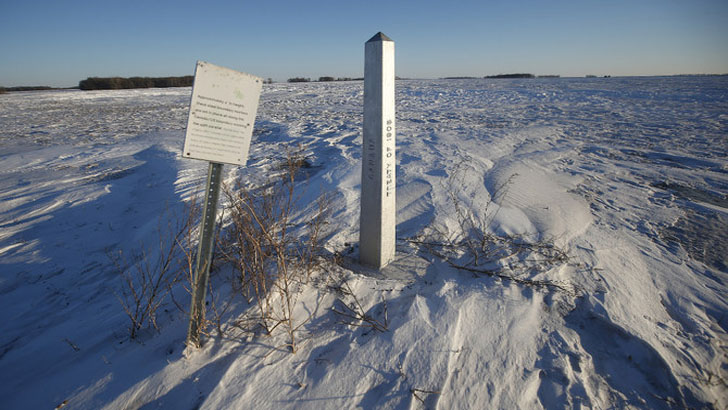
[463, 77]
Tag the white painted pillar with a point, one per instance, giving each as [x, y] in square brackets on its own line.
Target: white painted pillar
[378, 210]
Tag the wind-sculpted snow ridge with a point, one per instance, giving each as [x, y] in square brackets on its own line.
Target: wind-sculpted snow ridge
[626, 178]
[90, 117]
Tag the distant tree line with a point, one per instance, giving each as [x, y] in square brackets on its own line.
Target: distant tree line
[25, 88]
[516, 75]
[321, 79]
[121, 83]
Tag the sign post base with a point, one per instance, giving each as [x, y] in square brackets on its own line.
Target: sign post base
[204, 254]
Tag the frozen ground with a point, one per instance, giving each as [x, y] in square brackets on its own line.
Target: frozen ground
[628, 176]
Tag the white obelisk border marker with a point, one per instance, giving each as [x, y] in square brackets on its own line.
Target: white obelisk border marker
[378, 210]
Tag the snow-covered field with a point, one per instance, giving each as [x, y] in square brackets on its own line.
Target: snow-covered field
[628, 176]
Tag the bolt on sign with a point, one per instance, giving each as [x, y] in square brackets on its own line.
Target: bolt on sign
[222, 113]
[219, 128]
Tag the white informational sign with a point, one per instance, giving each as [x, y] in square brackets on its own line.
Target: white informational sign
[222, 114]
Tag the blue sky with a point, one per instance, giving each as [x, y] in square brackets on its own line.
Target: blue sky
[58, 43]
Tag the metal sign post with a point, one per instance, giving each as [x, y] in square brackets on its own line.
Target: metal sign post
[204, 253]
[219, 128]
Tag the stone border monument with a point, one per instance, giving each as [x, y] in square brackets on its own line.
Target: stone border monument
[377, 220]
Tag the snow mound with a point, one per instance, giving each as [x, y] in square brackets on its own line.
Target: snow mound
[536, 203]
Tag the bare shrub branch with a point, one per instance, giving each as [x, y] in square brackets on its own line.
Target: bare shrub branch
[474, 249]
[353, 314]
[272, 258]
[420, 399]
[148, 275]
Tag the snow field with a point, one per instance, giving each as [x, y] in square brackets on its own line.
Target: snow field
[627, 175]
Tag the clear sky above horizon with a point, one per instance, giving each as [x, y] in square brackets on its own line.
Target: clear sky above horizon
[58, 43]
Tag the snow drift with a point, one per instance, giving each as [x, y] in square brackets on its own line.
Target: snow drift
[627, 176]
